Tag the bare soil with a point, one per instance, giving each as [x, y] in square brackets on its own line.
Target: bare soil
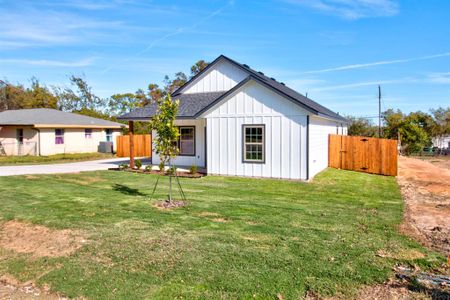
[39, 241]
[170, 204]
[11, 288]
[426, 190]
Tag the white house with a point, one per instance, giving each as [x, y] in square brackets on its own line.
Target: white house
[237, 121]
[45, 131]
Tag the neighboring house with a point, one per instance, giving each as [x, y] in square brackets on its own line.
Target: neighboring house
[442, 142]
[43, 131]
[237, 121]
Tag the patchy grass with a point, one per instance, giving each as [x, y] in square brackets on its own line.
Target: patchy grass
[53, 159]
[238, 238]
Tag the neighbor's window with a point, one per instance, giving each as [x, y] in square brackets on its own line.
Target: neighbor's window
[253, 141]
[109, 137]
[19, 134]
[186, 140]
[59, 136]
[88, 133]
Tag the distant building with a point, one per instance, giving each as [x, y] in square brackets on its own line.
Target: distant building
[45, 131]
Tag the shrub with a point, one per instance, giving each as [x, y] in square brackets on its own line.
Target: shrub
[161, 167]
[148, 168]
[123, 166]
[138, 164]
[193, 169]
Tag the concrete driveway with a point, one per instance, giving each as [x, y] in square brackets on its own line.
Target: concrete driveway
[93, 165]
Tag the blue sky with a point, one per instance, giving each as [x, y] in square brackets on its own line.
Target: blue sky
[336, 50]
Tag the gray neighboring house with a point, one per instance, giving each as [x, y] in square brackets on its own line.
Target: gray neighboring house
[236, 121]
[44, 131]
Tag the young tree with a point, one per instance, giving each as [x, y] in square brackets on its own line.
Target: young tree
[166, 133]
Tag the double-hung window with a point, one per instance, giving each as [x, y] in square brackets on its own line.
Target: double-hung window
[186, 141]
[253, 143]
[109, 137]
[88, 133]
[59, 136]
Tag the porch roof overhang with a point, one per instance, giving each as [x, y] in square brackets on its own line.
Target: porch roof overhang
[190, 106]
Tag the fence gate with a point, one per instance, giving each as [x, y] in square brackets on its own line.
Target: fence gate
[142, 145]
[363, 154]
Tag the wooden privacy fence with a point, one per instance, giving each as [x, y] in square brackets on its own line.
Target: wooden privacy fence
[363, 154]
[142, 145]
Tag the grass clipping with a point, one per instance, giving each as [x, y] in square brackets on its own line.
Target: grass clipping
[39, 241]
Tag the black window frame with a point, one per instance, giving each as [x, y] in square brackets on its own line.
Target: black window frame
[179, 137]
[244, 143]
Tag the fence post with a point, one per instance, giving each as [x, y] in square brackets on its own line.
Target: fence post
[131, 129]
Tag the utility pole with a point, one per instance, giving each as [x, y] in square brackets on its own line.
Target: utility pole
[379, 111]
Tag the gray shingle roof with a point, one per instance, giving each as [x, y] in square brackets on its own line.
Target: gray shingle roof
[190, 105]
[47, 116]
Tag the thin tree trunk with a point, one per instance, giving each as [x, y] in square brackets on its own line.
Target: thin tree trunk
[170, 180]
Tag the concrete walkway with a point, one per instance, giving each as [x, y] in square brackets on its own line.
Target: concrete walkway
[93, 165]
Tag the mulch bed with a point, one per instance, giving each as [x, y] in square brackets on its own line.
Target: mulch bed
[155, 172]
[170, 204]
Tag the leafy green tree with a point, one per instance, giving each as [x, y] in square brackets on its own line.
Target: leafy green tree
[166, 133]
[198, 67]
[119, 104]
[393, 120]
[413, 137]
[172, 85]
[82, 98]
[361, 127]
[39, 96]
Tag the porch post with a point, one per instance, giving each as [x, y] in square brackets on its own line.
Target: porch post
[131, 134]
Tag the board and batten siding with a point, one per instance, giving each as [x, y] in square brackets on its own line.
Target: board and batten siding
[285, 134]
[186, 161]
[319, 129]
[223, 77]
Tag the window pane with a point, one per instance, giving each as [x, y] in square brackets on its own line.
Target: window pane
[253, 143]
[59, 136]
[187, 143]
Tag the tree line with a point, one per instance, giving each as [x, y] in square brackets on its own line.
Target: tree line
[415, 130]
[79, 98]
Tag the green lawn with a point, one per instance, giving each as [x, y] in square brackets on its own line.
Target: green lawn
[53, 159]
[279, 237]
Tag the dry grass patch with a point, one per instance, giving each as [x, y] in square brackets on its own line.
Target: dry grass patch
[39, 241]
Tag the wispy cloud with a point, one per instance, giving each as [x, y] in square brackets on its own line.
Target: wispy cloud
[171, 34]
[377, 63]
[439, 78]
[49, 63]
[351, 9]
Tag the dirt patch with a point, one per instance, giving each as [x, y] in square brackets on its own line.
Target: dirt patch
[219, 220]
[86, 180]
[170, 204]
[208, 214]
[11, 288]
[392, 290]
[426, 190]
[39, 241]
[156, 172]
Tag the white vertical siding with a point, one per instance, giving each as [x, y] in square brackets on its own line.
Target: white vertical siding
[222, 77]
[199, 158]
[285, 134]
[319, 129]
